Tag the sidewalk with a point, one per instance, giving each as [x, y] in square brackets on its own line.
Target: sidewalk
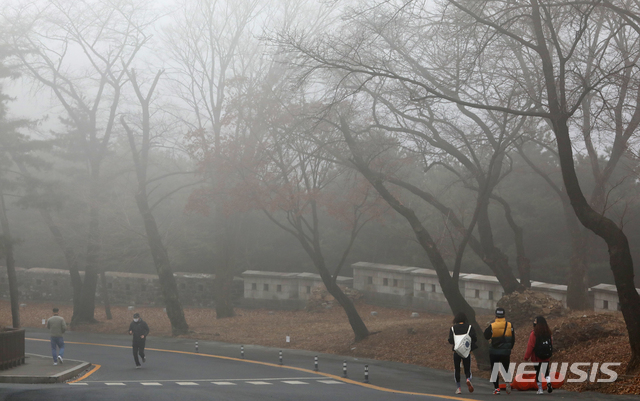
[40, 369]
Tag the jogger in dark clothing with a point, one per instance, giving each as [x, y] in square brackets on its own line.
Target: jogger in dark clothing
[139, 330]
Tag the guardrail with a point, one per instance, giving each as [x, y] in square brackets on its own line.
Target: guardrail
[11, 348]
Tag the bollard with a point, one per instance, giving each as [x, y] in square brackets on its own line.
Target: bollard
[344, 369]
[197, 346]
[242, 351]
[280, 354]
[366, 373]
[315, 363]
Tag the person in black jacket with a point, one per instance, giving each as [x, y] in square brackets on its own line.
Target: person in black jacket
[502, 337]
[460, 326]
[139, 330]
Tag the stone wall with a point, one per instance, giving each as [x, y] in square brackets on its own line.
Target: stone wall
[276, 290]
[54, 285]
[419, 289]
[427, 292]
[385, 285]
[605, 298]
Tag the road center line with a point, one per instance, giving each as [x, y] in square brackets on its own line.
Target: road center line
[227, 358]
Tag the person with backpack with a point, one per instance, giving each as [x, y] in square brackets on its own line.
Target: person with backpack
[540, 349]
[463, 338]
[502, 337]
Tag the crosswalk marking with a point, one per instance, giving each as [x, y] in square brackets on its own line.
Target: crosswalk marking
[227, 382]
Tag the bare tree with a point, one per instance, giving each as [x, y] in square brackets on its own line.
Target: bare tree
[15, 146]
[473, 144]
[80, 51]
[140, 157]
[551, 38]
[289, 174]
[207, 42]
[363, 159]
[554, 38]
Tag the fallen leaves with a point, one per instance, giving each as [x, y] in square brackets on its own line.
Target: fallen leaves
[396, 336]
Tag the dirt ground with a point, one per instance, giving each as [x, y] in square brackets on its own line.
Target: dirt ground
[397, 336]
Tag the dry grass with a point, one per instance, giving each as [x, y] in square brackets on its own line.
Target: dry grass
[398, 337]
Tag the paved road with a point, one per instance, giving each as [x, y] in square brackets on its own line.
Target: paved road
[174, 371]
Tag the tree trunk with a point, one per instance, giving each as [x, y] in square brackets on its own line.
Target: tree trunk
[160, 257]
[105, 295]
[224, 268]
[11, 265]
[450, 288]
[360, 329]
[159, 254]
[498, 262]
[225, 263]
[578, 274]
[578, 277]
[523, 263]
[223, 286]
[86, 310]
[69, 254]
[494, 256]
[619, 253]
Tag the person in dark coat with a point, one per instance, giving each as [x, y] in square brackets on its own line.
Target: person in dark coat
[461, 326]
[139, 330]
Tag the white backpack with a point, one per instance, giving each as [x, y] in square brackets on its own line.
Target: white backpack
[462, 343]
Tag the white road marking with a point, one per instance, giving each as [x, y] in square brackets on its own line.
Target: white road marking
[219, 379]
[226, 382]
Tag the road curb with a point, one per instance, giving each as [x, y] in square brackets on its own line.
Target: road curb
[56, 378]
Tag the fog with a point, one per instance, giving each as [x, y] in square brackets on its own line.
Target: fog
[304, 136]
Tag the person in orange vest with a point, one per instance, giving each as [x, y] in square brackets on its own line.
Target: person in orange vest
[502, 337]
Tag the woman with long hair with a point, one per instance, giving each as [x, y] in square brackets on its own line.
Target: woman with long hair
[539, 350]
[461, 327]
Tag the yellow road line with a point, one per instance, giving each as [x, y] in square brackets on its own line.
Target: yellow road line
[89, 373]
[345, 380]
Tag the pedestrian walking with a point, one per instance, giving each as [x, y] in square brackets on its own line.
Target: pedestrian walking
[57, 327]
[539, 350]
[502, 337]
[463, 338]
[139, 330]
